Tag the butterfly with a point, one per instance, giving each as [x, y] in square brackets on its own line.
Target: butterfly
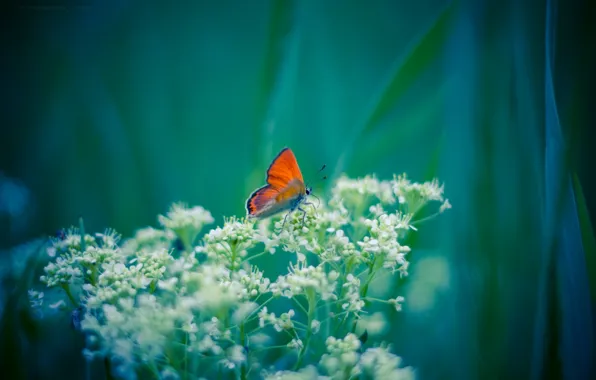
[285, 189]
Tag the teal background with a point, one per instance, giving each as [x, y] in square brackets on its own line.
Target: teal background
[113, 111]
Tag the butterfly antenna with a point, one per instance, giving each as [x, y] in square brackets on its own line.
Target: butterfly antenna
[320, 170]
[318, 200]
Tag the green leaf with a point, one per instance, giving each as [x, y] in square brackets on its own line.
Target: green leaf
[588, 240]
[405, 71]
[410, 66]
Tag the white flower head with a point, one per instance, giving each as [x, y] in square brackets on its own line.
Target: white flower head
[180, 216]
[186, 222]
[397, 302]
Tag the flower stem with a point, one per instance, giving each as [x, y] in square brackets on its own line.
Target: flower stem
[66, 288]
[312, 308]
[364, 289]
[185, 367]
[243, 344]
[107, 366]
[254, 256]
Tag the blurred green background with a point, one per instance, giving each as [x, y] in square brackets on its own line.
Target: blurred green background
[112, 111]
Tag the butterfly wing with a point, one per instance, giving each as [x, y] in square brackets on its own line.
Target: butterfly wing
[284, 186]
[260, 200]
[283, 170]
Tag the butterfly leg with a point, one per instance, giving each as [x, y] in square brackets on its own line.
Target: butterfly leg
[284, 223]
[303, 216]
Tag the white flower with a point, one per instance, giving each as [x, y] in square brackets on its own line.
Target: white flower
[253, 283]
[281, 323]
[374, 324]
[353, 303]
[71, 240]
[296, 344]
[397, 302]
[416, 195]
[35, 298]
[63, 271]
[383, 239]
[243, 311]
[302, 278]
[169, 373]
[149, 306]
[215, 292]
[149, 238]
[186, 222]
[341, 356]
[94, 256]
[109, 239]
[307, 373]
[339, 248]
[235, 356]
[315, 326]
[445, 206]
[379, 363]
[229, 244]
[358, 192]
[180, 216]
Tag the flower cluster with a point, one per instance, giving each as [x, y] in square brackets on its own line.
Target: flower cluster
[172, 303]
[186, 222]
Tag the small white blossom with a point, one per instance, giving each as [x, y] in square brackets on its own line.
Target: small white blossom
[414, 194]
[186, 222]
[306, 373]
[70, 240]
[341, 357]
[301, 279]
[379, 363]
[62, 271]
[397, 302]
[353, 303]
[229, 244]
[315, 326]
[180, 216]
[243, 311]
[445, 206]
[296, 344]
[35, 298]
[375, 324]
[109, 239]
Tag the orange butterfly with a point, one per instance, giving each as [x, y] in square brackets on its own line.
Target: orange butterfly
[285, 189]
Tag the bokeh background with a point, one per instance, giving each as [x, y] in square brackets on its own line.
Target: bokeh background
[113, 110]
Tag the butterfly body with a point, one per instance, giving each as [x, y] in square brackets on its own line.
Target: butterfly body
[285, 189]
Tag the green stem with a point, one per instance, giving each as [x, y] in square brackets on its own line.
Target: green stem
[364, 289]
[312, 308]
[243, 343]
[94, 275]
[342, 281]
[427, 218]
[185, 366]
[66, 288]
[371, 275]
[255, 256]
[233, 259]
[107, 367]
